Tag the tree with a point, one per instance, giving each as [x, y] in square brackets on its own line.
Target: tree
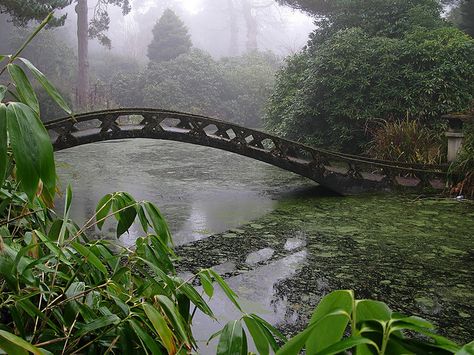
[375, 17]
[170, 38]
[461, 14]
[23, 11]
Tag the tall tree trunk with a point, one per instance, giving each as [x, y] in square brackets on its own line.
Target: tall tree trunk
[252, 26]
[234, 30]
[82, 54]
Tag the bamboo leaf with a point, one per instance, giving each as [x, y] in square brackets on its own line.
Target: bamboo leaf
[16, 344]
[158, 222]
[102, 209]
[161, 327]
[196, 299]
[3, 143]
[124, 206]
[175, 318]
[146, 338]
[32, 149]
[258, 335]
[23, 87]
[227, 290]
[98, 323]
[231, 340]
[90, 257]
[206, 283]
[3, 91]
[50, 89]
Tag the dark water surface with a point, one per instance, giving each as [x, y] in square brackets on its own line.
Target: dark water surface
[281, 242]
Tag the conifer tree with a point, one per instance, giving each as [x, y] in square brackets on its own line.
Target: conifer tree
[170, 38]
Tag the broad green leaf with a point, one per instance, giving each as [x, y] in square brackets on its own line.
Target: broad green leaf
[258, 335]
[467, 349]
[346, 344]
[206, 283]
[161, 327]
[17, 345]
[231, 340]
[3, 143]
[23, 87]
[295, 344]
[420, 322]
[2, 57]
[146, 338]
[330, 329]
[32, 149]
[102, 209]
[3, 91]
[440, 341]
[227, 290]
[50, 89]
[369, 310]
[98, 323]
[90, 257]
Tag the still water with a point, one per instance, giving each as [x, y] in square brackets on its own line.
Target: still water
[281, 242]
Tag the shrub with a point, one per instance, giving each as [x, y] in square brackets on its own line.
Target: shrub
[326, 94]
[407, 141]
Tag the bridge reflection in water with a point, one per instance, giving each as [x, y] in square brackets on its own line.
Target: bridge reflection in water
[343, 173]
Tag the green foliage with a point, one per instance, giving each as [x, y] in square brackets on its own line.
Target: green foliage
[331, 91]
[191, 82]
[248, 82]
[340, 324]
[406, 141]
[462, 15]
[376, 17]
[234, 89]
[170, 38]
[374, 329]
[23, 11]
[54, 58]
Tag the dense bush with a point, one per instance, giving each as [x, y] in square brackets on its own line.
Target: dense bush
[234, 89]
[406, 141]
[327, 94]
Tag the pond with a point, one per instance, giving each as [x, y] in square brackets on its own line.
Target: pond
[281, 241]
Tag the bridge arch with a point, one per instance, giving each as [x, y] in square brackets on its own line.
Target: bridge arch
[342, 173]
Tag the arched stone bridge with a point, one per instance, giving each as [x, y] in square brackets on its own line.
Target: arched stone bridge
[342, 173]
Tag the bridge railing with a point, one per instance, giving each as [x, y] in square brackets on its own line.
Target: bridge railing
[315, 163]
